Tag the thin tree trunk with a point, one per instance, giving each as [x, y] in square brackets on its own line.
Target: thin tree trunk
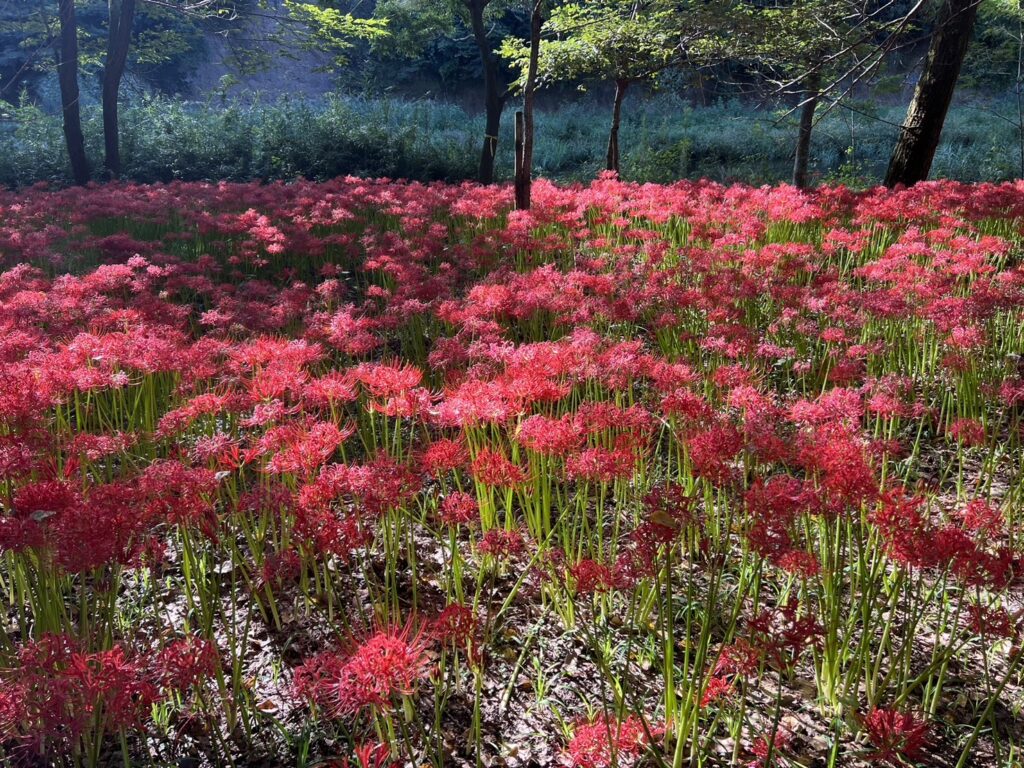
[524, 177]
[802, 156]
[494, 100]
[1019, 86]
[919, 138]
[67, 77]
[122, 16]
[612, 163]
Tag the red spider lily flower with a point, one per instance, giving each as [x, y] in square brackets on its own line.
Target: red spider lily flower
[713, 451]
[444, 455]
[384, 666]
[280, 568]
[177, 420]
[96, 447]
[379, 485]
[967, 432]
[501, 543]
[603, 465]
[475, 402]
[605, 742]
[178, 494]
[799, 563]
[717, 688]
[304, 449]
[59, 687]
[768, 751]
[738, 658]
[387, 665]
[548, 436]
[313, 679]
[591, 576]
[333, 389]
[371, 756]
[184, 663]
[981, 517]
[353, 332]
[455, 624]
[459, 508]
[387, 380]
[897, 736]
[989, 623]
[492, 468]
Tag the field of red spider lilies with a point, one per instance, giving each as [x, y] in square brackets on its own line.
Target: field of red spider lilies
[368, 473]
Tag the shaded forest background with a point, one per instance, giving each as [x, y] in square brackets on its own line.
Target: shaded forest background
[234, 94]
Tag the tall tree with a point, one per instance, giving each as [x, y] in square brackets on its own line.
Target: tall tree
[919, 137]
[524, 146]
[415, 22]
[67, 77]
[119, 37]
[495, 91]
[617, 41]
[814, 50]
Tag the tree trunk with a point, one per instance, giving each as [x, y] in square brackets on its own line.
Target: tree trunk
[912, 158]
[802, 157]
[494, 99]
[613, 135]
[67, 77]
[524, 175]
[122, 16]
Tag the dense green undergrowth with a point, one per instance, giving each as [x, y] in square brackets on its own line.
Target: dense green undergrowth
[663, 139]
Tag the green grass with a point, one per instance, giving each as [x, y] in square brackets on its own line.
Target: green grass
[663, 139]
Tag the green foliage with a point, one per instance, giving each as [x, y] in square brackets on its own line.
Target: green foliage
[994, 56]
[328, 29]
[433, 40]
[604, 39]
[665, 140]
[165, 41]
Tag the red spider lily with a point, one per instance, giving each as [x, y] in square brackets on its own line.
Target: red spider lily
[455, 624]
[384, 380]
[184, 663]
[768, 750]
[989, 623]
[444, 455]
[590, 576]
[983, 518]
[382, 667]
[603, 465]
[968, 432]
[492, 468]
[713, 452]
[459, 508]
[548, 436]
[605, 742]
[280, 568]
[501, 543]
[179, 494]
[58, 687]
[371, 756]
[716, 689]
[303, 449]
[897, 736]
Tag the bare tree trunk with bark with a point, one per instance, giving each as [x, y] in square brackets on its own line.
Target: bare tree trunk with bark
[67, 77]
[919, 138]
[494, 97]
[524, 167]
[802, 157]
[612, 163]
[119, 37]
